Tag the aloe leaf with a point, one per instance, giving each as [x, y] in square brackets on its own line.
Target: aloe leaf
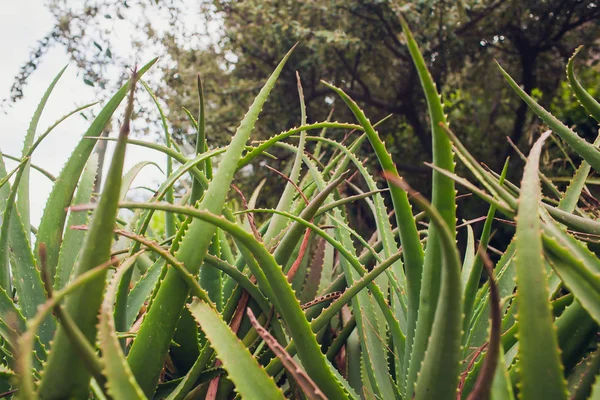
[121, 297]
[443, 200]
[147, 362]
[44, 172]
[23, 190]
[273, 281]
[327, 265]
[120, 382]
[10, 312]
[197, 188]
[169, 151]
[249, 378]
[130, 175]
[142, 291]
[14, 245]
[583, 376]
[83, 306]
[210, 278]
[309, 388]
[73, 239]
[571, 196]
[148, 282]
[169, 220]
[26, 277]
[584, 284]
[541, 368]
[469, 258]
[313, 265]
[575, 330]
[5, 193]
[438, 376]
[380, 214]
[27, 340]
[84, 349]
[472, 282]
[264, 146]
[53, 219]
[487, 373]
[279, 222]
[409, 238]
[586, 100]
[586, 150]
[370, 330]
[483, 176]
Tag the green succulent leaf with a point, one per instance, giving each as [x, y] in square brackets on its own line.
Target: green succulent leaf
[438, 376]
[119, 379]
[73, 239]
[586, 150]
[250, 379]
[55, 214]
[23, 190]
[586, 100]
[83, 306]
[541, 368]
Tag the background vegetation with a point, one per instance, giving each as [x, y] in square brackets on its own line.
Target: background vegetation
[354, 44]
[191, 296]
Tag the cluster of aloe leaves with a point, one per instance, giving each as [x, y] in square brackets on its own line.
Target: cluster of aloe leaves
[216, 306]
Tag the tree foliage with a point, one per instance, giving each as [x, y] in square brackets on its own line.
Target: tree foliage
[355, 44]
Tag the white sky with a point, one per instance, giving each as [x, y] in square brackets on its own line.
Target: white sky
[22, 23]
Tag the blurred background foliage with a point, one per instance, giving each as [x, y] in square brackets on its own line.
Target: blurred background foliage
[358, 46]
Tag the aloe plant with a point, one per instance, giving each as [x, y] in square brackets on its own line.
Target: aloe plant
[217, 305]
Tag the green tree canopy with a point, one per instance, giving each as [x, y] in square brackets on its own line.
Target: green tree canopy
[355, 44]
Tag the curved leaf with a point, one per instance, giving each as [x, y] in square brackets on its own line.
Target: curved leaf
[23, 189]
[84, 305]
[147, 362]
[55, 214]
[73, 239]
[251, 381]
[586, 150]
[541, 368]
[586, 100]
[443, 200]
[120, 382]
[438, 376]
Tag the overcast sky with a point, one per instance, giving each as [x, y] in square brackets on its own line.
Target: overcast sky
[22, 23]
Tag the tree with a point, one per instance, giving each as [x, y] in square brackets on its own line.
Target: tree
[357, 45]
